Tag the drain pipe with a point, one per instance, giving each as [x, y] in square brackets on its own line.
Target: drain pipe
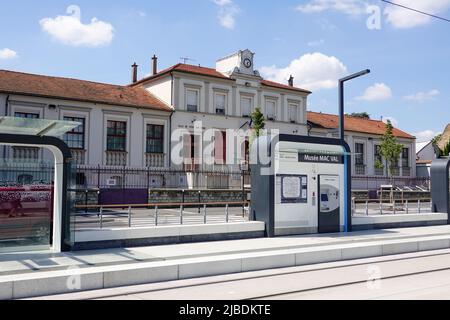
[6, 114]
[169, 151]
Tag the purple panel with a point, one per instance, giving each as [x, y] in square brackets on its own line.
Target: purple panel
[123, 196]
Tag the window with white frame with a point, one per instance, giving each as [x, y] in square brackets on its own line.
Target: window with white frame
[26, 115]
[405, 157]
[220, 100]
[377, 153]
[270, 109]
[75, 137]
[293, 112]
[116, 136]
[155, 138]
[246, 106]
[192, 100]
[359, 154]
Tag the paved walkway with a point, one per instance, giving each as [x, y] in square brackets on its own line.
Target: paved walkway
[17, 263]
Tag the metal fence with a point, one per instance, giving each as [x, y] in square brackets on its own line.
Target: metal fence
[14, 173]
[374, 182]
[158, 214]
[396, 206]
[88, 177]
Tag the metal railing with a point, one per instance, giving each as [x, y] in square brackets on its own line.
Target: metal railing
[396, 206]
[360, 169]
[99, 177]
[159, 214]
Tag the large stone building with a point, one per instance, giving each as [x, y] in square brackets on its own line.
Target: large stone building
[223, 98]
[132, 125]
[364, 139]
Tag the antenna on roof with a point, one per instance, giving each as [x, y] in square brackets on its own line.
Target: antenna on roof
[186, 59]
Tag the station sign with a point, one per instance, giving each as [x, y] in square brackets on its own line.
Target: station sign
[321, 158]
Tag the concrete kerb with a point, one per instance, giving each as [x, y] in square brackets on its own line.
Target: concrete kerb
[91, 278]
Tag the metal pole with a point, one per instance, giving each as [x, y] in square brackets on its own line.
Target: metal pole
[393, 206]
[156, 215]
[226, 211]
[407, 209]
[181, 214]
[341, 110]
[341, 99]
[418, 205]
[199, 200]
[243, 193]
[129, 217]
[101, 217]
[381, 206]
[204, 213]
[86, 200]
[367, 208]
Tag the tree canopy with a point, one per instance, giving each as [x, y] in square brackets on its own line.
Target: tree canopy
[362, 115]
[389, 148]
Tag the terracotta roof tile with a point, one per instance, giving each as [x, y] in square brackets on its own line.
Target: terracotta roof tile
[283, 86]
[354, 124]
[188, 68]
[78, 90]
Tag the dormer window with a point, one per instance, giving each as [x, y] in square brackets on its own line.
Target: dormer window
[192, 100]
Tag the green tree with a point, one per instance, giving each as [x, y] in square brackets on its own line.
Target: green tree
[362, 115]
[389, 148]
[436, 139]
[258, 121]
[446, 150]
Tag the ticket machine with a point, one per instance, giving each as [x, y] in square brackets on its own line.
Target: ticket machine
[302, 186]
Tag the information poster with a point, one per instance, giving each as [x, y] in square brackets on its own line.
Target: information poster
[292, 188]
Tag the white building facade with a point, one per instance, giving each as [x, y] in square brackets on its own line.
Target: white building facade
[223, 98]
[119, 126]
[364, 139]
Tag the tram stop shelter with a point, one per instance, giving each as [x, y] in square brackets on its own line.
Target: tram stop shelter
[18, 232]
[440, 191]
[301, 184]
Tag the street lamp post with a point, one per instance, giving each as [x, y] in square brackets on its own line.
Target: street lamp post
[341, 99]
[347, 173]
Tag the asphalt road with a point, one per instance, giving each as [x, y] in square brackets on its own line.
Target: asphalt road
[424, 275]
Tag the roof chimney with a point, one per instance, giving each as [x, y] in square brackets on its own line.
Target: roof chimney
[291, 81]
[155, 64]
[134, 71]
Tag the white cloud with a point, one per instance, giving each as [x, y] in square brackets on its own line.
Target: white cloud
[7, 54]
[392, 120]
[71, 31]
[425, 135]
[349, 7]
[423, 96]
[402, 18]
[312, 71]
[227, 13]
[379, 91]
[316, 43]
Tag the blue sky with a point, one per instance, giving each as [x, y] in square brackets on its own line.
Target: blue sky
[316, 40]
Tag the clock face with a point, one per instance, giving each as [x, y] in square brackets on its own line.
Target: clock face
[247, 63]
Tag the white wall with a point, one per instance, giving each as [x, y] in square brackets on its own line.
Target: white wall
[96, 116]
[427, 153]
[304, 215]
[369, 142]
[174, 91]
